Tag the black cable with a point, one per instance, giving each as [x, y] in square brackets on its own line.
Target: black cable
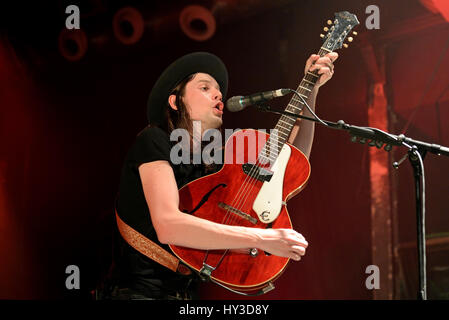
[310, 109]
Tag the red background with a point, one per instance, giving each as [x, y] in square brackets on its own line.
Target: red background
[65, 128]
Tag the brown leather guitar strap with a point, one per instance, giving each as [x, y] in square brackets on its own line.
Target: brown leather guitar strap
[150, 249]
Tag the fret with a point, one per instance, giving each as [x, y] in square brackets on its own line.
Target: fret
[279, 143]
[305, 88]
[299, 104]
[285, 134]
[290, 118]
[272, 148]
[306, 84]
[302, 95]
[270, 154]
[294, 107]
[296, 99]
[285, 122]
[282, 132]
[282, 127]
[313, 84]
[263, 159]
[310, 78]
[279, 128]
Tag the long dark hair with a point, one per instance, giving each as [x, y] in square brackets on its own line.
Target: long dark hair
[179, 118]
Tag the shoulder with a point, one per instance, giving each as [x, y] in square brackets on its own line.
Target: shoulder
[153, 133]
[151, 144]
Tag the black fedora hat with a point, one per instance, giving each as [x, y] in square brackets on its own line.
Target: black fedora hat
[176, 72]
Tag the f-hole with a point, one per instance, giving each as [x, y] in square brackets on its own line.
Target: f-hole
[206, 197]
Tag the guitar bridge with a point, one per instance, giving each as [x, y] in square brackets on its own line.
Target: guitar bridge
[239, 213]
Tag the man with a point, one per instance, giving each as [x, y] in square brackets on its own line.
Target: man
[190, 89]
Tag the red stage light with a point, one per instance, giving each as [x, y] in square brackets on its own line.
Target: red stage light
[441, 6]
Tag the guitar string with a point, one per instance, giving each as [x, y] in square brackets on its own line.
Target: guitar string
[283, 117]
[251, 174]
[253, 171]
[301, 89]
[277, 148]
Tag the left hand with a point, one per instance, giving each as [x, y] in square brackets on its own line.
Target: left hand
[324, 65]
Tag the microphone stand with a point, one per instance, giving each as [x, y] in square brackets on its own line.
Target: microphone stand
[416, 152]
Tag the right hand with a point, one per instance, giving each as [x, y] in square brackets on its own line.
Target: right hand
[283, 242]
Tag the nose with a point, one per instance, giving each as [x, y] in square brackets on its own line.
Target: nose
[218, 95]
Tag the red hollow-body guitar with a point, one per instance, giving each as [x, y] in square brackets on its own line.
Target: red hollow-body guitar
[261, 172]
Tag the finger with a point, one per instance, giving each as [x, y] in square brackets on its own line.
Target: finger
[332, 55]
[324, 60]
[299, 250]
[298, 242]
[300, 236]
[320, 66]
[295, 256]
[302, 241]
[326, 71]
[312, 60]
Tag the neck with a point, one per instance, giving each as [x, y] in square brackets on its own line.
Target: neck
[285, 124]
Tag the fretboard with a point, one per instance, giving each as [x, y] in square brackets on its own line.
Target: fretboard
[286, 123]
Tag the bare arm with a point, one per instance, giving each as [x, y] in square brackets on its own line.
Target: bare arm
[303, 131]
[175, 227]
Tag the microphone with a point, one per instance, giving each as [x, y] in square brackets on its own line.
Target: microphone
[238, 103]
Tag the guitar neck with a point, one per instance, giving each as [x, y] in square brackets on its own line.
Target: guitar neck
[285, 124]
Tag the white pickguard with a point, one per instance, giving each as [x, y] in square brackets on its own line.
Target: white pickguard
[268, 203]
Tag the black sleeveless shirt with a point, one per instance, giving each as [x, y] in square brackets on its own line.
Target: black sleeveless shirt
[135, 270]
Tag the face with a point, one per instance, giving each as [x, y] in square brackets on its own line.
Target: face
[202, 98]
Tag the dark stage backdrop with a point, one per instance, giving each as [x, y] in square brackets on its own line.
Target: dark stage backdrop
[65, 128]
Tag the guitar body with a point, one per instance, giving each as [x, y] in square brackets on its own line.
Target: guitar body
[247, 192]
[233, 197]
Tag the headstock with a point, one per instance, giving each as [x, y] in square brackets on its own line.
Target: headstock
[339, 29]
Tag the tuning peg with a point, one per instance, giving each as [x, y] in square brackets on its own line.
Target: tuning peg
[350, 39]
[354, 33]
[329, 22]
[322, 35]
[326, 29]
[345, 45]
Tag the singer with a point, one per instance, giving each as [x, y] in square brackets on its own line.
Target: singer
[192, 88]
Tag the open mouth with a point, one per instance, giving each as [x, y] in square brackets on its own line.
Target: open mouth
[219, 107]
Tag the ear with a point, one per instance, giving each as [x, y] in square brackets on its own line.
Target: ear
[172, 102]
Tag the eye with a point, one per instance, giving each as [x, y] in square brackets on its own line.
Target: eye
[205, 88]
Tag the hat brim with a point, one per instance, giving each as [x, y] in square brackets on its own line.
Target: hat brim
[183, 67]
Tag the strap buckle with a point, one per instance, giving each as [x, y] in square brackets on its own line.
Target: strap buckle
[206, 272]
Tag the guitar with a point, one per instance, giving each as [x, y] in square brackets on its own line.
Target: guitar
[254, 192]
